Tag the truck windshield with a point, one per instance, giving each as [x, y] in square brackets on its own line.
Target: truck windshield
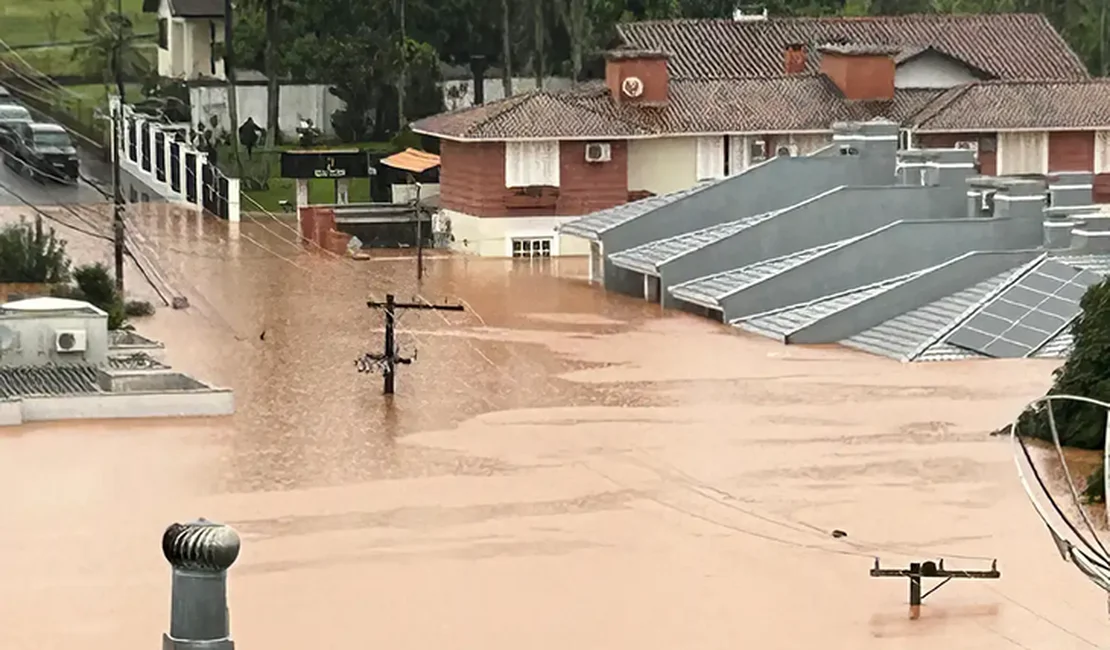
[52, 140]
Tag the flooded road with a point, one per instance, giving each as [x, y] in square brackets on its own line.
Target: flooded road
[560, 468]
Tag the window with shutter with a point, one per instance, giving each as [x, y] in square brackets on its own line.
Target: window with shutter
[1102, 152]
[710, 157]
[528, 164]
[1022, 153]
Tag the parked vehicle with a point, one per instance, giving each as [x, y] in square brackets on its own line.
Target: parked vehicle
[44, 151]
[6, 97]
[11, 116]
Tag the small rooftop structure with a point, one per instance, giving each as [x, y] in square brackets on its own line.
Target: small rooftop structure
[412, 160]
[58, 361]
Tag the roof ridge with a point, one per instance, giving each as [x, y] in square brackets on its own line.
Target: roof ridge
[936, 17]
[937, 105]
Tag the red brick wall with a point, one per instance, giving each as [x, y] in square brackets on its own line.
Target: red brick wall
[860, 76]
[1071, 151]
[987, 159]
[652, 71]
[472, 180]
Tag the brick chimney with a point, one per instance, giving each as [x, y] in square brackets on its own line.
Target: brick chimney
[637, 76]
[795, 58]
[862, 72]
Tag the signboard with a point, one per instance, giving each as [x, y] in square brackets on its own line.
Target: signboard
[347, 163]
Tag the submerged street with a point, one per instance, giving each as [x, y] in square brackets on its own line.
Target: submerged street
[560, 468]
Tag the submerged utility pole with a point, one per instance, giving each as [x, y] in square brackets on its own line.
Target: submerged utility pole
[930, 569]
[389, 359]
[419, 236]
[117, 141]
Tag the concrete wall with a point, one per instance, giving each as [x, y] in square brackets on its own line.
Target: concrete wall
[129, 405]
[919, 245]
[297, 101]
[34, 340]
[459, 93]
[932, 70]
[953, 276]
[838, 214]
[662, 165]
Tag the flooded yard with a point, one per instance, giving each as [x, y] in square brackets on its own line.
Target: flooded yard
[560, 468]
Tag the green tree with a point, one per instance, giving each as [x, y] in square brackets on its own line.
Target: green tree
[31, 253]
[112, 45]
[96, 286]
[1086, 373]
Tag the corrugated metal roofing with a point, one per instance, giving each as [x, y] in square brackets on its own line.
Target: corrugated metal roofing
[1091, 262]
[781, 323]
[27, 381]
[592, 225]
[1057, 347]
[648, 257]
[902, 336]
[1060, 345]
[709, 290]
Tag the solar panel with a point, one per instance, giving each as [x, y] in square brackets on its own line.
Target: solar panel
[1027, 314]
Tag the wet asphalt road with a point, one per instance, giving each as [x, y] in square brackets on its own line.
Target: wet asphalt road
[14, 186]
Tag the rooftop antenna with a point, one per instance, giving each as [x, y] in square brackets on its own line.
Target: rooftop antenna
[1064, 511]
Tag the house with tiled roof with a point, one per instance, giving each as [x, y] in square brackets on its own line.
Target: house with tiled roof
[687, 101]
[188, 31]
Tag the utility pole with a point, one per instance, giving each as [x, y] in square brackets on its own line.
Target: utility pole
[389, 359]
[117, 127]
[930, 569]
[419, 235]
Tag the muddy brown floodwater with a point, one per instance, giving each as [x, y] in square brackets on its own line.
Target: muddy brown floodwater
[561, 468]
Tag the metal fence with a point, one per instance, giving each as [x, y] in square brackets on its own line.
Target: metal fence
[160, 156]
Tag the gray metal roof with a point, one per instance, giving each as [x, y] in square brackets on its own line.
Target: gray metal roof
[592, 225]
[135, 361]
[781, 323]
[1060, 345]
[1095, 263]
[708, 291]
[648, 257]
[1057, 347]
[915, 335]
[28, 381]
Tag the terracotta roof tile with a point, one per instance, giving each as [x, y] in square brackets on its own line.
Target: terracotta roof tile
[780, 104]
[1001, 105]
[1008, 46]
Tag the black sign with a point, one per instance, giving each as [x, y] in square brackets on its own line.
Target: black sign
[326, 164]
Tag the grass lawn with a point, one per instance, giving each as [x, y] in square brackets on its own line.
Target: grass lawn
[27, 22]
[58, 60]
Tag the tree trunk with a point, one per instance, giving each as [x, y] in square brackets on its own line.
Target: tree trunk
[538, 61]
[506, 50]
[232, 99]
[273, 85]
[402, 77]
[576, 21]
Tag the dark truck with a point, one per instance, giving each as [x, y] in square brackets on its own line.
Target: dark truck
[11, 116]
[43, 151]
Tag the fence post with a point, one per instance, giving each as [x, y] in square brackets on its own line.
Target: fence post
[200, 553]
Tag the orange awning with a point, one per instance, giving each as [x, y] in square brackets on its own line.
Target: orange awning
[412, 160]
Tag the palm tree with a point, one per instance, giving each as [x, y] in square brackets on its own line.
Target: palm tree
[112, 52]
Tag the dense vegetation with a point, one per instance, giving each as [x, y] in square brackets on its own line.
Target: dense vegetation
[32, 253]
[1086, 373]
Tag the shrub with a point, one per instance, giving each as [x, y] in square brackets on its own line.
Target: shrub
[96, 286]
[138, 308]
[31, 253]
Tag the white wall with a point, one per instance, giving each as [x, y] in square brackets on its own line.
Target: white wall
[931, 70]
[308, 101]
[493, 237]
[33, 344]
[494, 90]
[189, 46]
[101, 406]
[662, 165]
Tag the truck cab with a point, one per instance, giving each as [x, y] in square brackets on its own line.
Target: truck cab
[44, 151]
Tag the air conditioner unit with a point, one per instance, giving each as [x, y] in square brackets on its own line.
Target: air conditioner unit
[969, 145]
[598, 152]
[758, 150]
[786, 150]
[70, 340]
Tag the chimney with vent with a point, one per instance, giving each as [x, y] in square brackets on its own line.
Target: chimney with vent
[637, 76]
[795, 59]
[862, 72]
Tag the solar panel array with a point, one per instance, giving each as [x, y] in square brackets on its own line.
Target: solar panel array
[1027, 314]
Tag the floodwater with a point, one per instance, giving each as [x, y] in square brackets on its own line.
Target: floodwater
[560, 468]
